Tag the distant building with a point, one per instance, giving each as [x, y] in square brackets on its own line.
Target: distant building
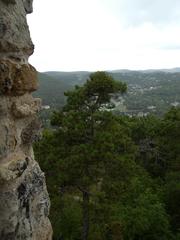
[45, 107]
[175, 104]
[133, 113]
[151, 108]
[142, 114]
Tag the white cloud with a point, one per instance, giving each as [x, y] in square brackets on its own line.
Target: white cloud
[136, 12]
[91, 35]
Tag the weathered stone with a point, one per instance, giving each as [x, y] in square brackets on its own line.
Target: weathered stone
[25, 207]
[9, 1]
[8, 139]
[15, 41]
[3, 106]
[19, 107]
[13, 167]
[17, 119]
[32, 132]
[16, 79]
[24, 201]
[25, 109]
[28, 6]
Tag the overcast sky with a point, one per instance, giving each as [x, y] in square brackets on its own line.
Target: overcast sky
[105, 34]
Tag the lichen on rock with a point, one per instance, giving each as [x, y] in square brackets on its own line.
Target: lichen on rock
[17, 79]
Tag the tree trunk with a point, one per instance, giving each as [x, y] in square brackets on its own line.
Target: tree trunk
[85, 230]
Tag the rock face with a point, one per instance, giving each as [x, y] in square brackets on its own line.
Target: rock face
[24, 201]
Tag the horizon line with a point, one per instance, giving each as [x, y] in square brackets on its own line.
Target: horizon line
[112, 70]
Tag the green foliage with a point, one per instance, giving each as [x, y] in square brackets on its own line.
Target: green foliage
[172, 198]
[159, 89]
[66, 218]
[145, 218]
[111, 177]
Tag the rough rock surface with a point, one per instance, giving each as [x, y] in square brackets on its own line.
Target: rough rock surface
[24, 201]
[15, 41]
[17, 79]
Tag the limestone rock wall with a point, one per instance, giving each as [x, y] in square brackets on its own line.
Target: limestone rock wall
[24, 201]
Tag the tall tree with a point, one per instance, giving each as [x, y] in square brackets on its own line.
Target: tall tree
[82, 125]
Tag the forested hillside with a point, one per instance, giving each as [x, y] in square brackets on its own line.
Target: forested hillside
[148, 91]
[54, 84]
[111, 177]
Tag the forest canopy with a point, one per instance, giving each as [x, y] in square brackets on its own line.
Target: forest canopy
[111, 177]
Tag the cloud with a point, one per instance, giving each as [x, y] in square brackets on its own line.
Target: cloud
[170, 47]
[136, 12]
[105, 34]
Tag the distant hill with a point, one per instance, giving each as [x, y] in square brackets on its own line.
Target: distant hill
[157, 88]
[54, 84]
[171, 70]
